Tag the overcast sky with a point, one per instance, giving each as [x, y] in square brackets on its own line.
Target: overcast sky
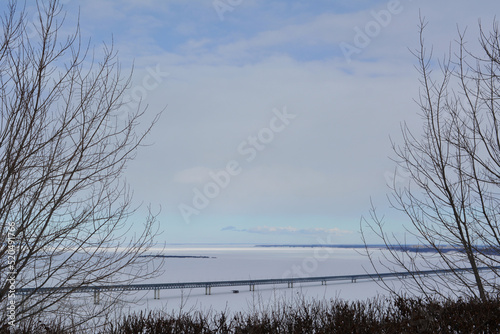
[278, 113]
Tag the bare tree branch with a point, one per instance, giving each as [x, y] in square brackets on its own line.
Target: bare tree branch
[452, 198]
[63, 151]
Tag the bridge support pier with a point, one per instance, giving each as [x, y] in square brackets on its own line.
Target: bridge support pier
[353, 280]
[290, 284]
[156, 293]
[96, 297]
[208, 290]
[323, 282]
[252, 287]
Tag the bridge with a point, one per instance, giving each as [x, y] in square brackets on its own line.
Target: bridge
[156, 287]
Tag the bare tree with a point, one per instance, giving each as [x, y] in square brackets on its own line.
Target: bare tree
[64, 208]
[452, 197]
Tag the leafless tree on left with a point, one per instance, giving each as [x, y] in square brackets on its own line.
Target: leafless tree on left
[64, 207]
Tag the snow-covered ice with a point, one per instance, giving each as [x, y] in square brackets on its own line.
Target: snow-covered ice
[246, 262]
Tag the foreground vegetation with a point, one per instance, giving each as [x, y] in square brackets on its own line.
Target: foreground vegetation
[399, 315]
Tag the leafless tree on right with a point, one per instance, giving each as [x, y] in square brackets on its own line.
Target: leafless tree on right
[452, 196]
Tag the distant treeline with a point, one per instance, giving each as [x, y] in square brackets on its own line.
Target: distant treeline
[179, 256]
[404, 248]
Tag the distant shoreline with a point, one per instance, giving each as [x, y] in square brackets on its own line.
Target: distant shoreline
[402, 248]
[321, 245]
[180, 256]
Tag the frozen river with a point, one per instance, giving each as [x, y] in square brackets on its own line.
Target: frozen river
[188, 263]
[215, 263]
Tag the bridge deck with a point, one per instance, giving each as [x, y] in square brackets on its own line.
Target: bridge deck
[209, 284]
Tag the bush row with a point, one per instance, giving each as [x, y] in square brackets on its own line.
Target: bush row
[399, 315]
